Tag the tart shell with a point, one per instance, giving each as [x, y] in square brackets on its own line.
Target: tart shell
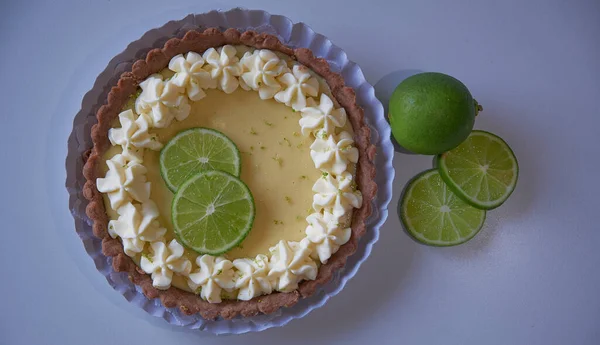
[155, 61]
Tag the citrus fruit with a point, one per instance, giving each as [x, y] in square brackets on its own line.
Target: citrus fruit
[433, 215]
[431, 113]
[482, 171]
[195, 150]
[212, 212]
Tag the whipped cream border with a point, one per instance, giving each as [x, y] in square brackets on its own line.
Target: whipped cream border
[333, 153]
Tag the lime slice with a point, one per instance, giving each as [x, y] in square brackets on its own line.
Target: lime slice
[482, 170]
[212, 212]
[433, 215]
[195, 150]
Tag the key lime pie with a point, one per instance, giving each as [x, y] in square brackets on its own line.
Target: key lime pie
[230, 174]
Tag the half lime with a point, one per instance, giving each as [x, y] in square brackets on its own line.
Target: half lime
[482, 170]
[212, 212]
[195, 150]
[433, 215]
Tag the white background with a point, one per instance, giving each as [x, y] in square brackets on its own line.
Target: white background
[530, 277]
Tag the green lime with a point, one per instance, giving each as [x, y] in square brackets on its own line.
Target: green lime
[212, 212]
[431, 113]
[482, 171]
[433, 215]
[195, 150]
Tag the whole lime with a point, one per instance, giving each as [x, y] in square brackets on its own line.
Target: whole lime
[431, 113]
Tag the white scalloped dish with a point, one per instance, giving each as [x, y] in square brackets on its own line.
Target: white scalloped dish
[298, 35]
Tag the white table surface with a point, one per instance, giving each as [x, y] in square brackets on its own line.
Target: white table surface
[530, 277]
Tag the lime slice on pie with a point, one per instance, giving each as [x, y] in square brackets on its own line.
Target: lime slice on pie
[195, 150]
[433, 215]
[212, 212]
[482, 170]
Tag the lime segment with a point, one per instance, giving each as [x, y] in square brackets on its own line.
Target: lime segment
[482, 171]
[195, 150]
[433, 215]
[212, 212]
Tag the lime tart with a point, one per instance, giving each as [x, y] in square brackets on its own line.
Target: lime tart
[230, 174]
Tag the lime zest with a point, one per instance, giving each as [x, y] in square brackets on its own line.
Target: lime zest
[278, 159]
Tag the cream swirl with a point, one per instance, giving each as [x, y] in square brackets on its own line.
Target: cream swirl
[124, 181]
[290, 263]
[133, 136]
[214, 274]
[190, 76]
[322, 117]
[299, 85]
[334, 156]
[261, 69]
[337, 195]
[163, 261]
[136, 225]
[224, 67]
[252, 277]
[162, 101]
[326, 234]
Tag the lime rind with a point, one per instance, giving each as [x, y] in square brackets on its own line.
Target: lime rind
[200, 229]
[420, 209]
[469, 181]
[206, 140]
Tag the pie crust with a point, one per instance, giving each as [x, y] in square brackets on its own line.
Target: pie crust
[155, 61]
